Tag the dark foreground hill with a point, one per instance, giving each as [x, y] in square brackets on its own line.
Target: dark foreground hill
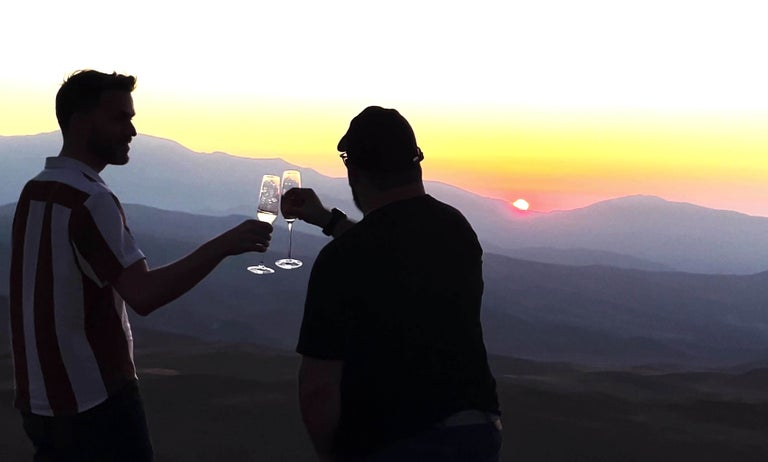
[211, 402]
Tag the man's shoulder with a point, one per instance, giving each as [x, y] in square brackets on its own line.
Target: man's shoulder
[73, 178]
[71, 189]
[435, 209]
[354, 241]
[435, 203]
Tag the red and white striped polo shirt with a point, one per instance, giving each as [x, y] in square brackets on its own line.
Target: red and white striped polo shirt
[72, 343]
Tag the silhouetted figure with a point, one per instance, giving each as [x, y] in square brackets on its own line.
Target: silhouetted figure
[394, 367]
[74, 265]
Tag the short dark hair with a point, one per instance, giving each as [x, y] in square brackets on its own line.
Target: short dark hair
[381, 143]
[82, 90]
[380, 140]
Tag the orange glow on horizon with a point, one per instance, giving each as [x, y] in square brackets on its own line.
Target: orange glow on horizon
[517, 105]
[555, 160]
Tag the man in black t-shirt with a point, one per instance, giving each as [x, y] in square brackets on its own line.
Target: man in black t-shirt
[394, 367]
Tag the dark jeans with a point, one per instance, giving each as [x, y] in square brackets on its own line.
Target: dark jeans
[113, 431]
[464, 443]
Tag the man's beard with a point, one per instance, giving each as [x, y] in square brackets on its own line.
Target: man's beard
[113, 153]
[355, 198]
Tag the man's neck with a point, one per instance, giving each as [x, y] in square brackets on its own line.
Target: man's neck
[381, 198]
[83, 156]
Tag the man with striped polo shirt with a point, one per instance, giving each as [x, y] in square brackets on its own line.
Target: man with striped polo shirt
[74, 266]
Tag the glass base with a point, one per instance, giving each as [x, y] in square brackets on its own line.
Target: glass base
[288, 263]
[260, 269]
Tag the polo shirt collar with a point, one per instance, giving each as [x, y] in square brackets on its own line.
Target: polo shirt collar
[73, 164]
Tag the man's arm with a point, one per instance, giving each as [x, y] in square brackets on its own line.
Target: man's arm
[304, 204]
[146, 290]
[320, 402]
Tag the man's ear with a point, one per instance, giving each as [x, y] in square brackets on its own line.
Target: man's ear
[79, 124]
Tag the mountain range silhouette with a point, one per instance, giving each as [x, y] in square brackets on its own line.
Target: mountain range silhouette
[632, 329]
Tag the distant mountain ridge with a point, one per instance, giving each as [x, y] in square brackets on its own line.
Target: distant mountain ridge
[583, 257]
[641, 232]
[683, 236]
[587, 314]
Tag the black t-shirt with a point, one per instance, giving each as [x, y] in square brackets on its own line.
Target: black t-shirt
[397, 298]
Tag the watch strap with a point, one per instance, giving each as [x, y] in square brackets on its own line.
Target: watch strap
[336, 216]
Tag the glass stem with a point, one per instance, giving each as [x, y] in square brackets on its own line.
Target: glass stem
[290, 238]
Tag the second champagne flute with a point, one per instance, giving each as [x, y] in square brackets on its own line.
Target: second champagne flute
[269, 200]
[291, 179]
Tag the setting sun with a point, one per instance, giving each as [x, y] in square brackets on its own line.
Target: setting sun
[557, 122]
[521, 204]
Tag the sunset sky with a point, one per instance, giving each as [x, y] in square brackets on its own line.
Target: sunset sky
[561, 103]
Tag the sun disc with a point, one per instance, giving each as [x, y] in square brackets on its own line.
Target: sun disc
[521, 204]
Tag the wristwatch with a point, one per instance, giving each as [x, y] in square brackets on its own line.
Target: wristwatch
[336, 216]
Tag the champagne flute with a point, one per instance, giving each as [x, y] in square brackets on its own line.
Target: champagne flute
[269, 199]
[291, 179]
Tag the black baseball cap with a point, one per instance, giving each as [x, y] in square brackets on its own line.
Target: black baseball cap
[380, 139]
